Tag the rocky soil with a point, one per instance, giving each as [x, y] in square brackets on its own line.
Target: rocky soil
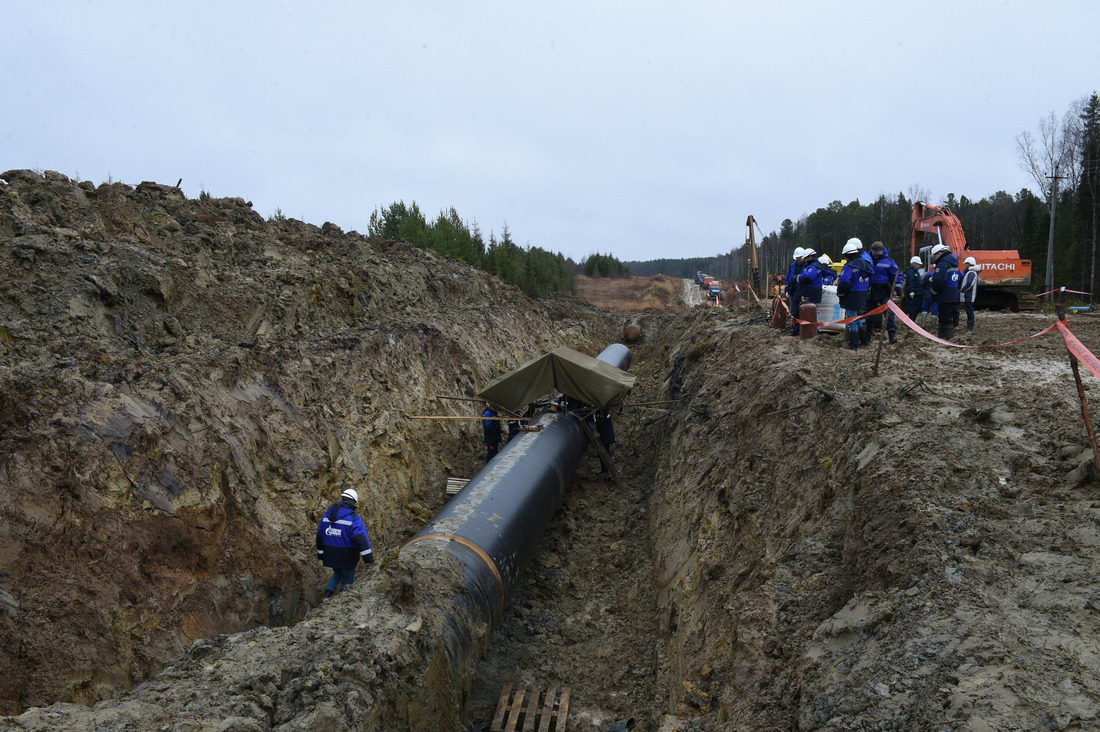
[806, 538]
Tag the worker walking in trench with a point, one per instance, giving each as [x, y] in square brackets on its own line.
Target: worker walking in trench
[491, 432]
[342, 541]
[605, 430]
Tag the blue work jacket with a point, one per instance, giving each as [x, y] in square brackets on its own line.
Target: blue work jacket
[854, 283]
[342, 538]
[945, 280]
[884, 278]
[810, 280]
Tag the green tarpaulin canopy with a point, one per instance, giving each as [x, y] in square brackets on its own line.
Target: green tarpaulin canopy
[574, 374]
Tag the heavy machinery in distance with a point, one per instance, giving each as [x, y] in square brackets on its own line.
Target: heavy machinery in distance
[1004, 279]
[754, 264]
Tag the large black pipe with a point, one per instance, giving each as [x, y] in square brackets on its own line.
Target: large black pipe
[492, 527]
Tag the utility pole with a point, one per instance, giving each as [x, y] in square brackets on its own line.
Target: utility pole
[1050, 238]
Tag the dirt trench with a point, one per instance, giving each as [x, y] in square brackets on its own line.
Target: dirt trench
[806, 538]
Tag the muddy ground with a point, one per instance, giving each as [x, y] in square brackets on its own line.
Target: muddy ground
[899, 538]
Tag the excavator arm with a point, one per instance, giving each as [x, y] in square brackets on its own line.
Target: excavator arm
[1004, 278]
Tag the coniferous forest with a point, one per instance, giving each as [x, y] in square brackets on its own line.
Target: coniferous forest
[1065, 149]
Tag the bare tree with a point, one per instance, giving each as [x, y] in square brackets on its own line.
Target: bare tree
[918, 193]
[1052, 153]
[1052, 157]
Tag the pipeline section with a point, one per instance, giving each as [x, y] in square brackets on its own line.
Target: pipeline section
[493, 525]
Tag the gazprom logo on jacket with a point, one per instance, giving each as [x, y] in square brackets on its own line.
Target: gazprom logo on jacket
[333, 531]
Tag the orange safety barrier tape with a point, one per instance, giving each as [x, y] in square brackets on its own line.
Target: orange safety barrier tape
[905, 319]
[912, 325]
[1078, 350]
[1063, 289]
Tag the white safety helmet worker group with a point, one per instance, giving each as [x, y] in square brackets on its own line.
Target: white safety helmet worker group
[799, 253]
[971, 261]
[824, 259]
[939, 249]
[852, 246]
[915, 260]
[350, 493]
[808, 252]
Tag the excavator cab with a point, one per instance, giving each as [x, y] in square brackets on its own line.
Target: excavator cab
[925, 254]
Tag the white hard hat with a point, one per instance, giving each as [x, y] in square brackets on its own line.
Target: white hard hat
[350, 493]
[808, 252]
[824, 259]
[851, 248]
[854, 241]
[938, 249]
[971, 261]
[799, 253]
[915, 260]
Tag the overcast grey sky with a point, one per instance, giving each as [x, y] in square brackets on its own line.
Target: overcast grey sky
[642, 129]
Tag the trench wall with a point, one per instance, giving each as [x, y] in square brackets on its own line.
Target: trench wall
[767, 516]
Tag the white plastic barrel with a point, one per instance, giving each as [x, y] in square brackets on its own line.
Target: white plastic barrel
[829, 311]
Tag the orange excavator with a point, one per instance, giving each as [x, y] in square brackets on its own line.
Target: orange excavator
[1004, 280]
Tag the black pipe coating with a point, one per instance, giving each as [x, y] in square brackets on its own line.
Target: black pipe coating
[492, 527]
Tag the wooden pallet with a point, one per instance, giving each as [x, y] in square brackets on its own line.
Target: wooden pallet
[527, 709]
